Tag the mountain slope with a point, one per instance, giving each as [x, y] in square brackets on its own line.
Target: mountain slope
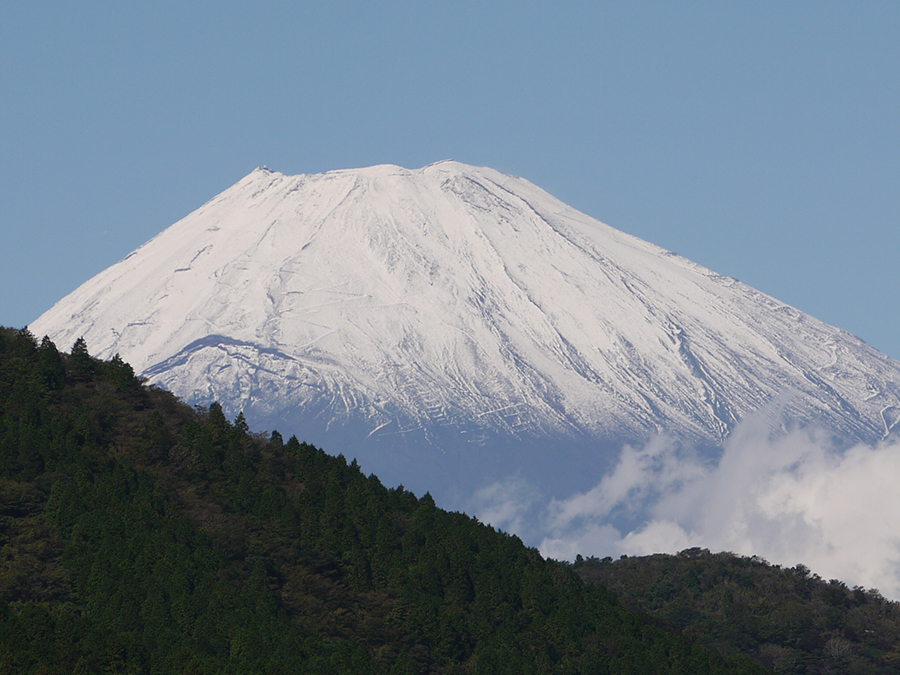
[459, 309]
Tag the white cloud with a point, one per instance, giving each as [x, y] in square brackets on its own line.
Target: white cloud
[790, 499]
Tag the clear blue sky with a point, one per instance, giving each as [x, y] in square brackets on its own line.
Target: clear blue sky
[761, 139]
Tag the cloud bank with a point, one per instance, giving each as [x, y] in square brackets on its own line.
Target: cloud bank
[790, 499]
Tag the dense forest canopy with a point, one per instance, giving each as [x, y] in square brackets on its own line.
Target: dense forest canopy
[140, 535]
[787, 618]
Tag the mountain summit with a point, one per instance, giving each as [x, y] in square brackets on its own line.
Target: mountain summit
[460, 322]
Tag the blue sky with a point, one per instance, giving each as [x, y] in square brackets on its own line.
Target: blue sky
[759, 139]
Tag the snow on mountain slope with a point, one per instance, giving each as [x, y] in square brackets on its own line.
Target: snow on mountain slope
[454, 315]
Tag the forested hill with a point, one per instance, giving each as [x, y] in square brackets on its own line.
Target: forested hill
[787, 618]
[141, 535]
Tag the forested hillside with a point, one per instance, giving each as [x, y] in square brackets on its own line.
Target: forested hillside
[787, 618]
[140, 535]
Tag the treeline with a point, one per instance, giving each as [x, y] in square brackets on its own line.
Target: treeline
[139, 535]
[785, 618]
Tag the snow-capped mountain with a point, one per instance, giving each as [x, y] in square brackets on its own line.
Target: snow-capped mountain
[452, 324]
